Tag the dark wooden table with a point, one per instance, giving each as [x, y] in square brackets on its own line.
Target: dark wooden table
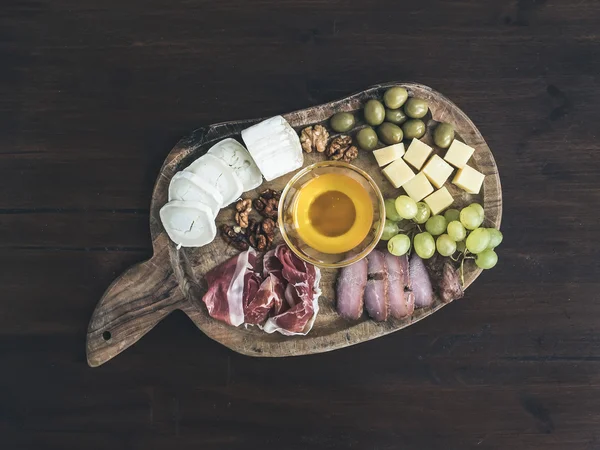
[93, 95]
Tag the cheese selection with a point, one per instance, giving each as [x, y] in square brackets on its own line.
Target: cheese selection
[417, 153]
[398, 173]
[437, 171]
[386, 155]
[459, 153]
[219, 177]
[418, 187]
[439, 200]
[469, 179]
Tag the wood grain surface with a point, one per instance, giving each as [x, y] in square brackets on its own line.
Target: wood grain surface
[94, 94]
[137, 300]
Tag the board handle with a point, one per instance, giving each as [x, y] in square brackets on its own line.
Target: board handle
[132, 305]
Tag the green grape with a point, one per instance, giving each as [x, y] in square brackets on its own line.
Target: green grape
[461, 246]
[478, 240]
[406, 207]
[390, 229]
[424, 245]
[470, 218]
[495, 237]
[456, 231]
[486, 259]
[445, 245]
[390, 210]
[451, 215]
[399, 245]
[436, 225]
[423, 213]
[477, 207]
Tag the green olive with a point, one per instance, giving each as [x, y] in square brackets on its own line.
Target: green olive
[443, 135]
[367, 138]
[416, 108]
[414, 128]
[342, 122]
[395, 116]
[389, 133]
[374, 112]
[395, 97]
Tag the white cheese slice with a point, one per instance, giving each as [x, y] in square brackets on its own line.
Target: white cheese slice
[189, 187]
[398, 173]
[274, 146]
[188, 224]
[439, 200]
[218, 174]
[417, 153]
[469, 179]
[235, 155]
[418, 187]
[437, 171]
[458, 154]
[386, 155]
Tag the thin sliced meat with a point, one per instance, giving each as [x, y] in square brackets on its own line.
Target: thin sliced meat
[421, 283]
[401, 297]
[227, 282]
[350, 290]
[376, 291]
[301, 297]
[271, 264]
[269, 296]
[445, 278]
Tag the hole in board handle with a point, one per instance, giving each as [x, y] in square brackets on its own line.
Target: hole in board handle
[106, 335]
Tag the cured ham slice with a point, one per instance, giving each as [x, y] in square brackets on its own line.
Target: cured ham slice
[421, 283]
[227, 283]
[282, 296]
[376, 291]
[302, 296]
[350, 290]
[402, 299]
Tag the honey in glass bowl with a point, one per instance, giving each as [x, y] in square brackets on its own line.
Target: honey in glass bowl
[333, 213]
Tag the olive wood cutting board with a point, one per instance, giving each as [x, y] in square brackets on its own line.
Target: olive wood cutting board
[173, 279]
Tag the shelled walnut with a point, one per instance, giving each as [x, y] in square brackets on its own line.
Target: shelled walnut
[341, 148]
[314, 138]
[261, 234]
[243, 208]
[267, 203]
[234, 237]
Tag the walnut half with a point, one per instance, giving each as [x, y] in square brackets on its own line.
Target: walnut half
[314, 138]
[341, 148]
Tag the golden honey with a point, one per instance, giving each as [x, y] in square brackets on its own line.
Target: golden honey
[333, 213]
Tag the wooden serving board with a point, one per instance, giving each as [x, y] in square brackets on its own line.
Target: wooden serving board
[173, 279]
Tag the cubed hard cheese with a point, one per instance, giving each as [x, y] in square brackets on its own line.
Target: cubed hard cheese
[386, 155]
[469, 179]
[437, 171]
[398, 173]
[459, 153]
[417, 153]
[418, 187]
[439, 200]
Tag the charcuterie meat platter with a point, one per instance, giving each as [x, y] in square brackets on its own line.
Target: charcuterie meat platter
[291, 290]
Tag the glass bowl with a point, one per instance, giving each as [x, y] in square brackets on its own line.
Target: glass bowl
[288, 227]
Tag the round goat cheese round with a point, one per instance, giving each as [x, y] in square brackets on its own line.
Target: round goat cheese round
[188, 224]
[219, 175]
[189, 187]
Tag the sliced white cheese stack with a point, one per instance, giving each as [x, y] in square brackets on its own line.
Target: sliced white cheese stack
[188, 224]
[275, 147]
[219, 175]
[235, 155]
[189, 187]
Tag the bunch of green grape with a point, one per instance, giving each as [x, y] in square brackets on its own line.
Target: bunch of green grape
[454, 231]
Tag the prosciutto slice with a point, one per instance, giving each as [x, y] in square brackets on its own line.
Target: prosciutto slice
[301, 305]
[227, 285]
[421, 283]
[278, 292]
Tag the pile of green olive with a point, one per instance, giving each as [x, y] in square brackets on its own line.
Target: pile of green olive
[399, 117]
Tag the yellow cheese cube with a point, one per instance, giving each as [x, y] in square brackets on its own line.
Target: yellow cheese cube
[458, 154]
[417, 153]
[418, 187]
[437, 171]
[386, 155]
[469, 179]
[398, 173]
[439, 200]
